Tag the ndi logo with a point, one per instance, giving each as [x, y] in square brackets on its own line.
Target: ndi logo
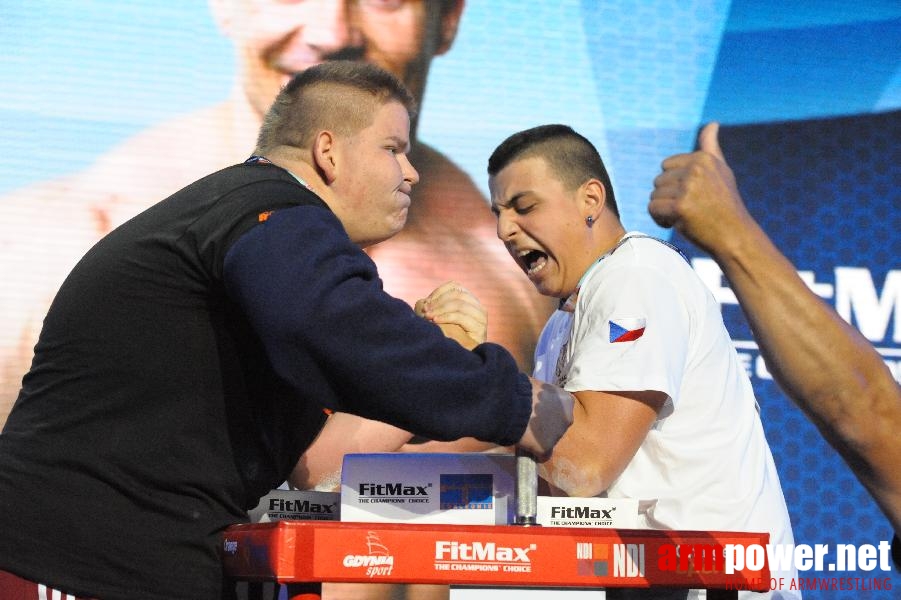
[626, 560]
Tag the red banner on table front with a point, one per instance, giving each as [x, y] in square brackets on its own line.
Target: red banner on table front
[303, 551]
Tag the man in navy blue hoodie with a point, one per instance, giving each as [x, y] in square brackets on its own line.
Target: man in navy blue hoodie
[184, 365]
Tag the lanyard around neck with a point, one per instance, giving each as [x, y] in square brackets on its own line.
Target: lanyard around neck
[569, 305]
[262, 160]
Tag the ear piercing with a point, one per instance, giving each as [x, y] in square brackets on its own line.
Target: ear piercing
[589, 220]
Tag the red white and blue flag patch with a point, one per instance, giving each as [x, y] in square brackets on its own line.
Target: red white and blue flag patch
[626, 330]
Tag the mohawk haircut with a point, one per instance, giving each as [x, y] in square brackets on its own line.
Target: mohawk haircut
[570, 155]
[341, 96]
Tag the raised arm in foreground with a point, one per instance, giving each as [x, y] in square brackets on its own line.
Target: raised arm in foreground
[824, 365]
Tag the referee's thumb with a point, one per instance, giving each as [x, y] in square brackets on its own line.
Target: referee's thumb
[708, 140]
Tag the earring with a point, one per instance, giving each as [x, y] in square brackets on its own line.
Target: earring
[589, 220]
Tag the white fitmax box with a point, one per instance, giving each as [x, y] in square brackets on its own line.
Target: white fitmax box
[620, 513]
[281, 504]
[452, 488]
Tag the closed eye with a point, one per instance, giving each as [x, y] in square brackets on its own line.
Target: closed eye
[518, 204]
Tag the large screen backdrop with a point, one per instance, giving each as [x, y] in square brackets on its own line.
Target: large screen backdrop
[809, 95]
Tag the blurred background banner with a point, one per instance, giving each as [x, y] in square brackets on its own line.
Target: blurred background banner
[809, 95]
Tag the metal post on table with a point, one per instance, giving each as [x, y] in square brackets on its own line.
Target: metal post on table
[526, 489]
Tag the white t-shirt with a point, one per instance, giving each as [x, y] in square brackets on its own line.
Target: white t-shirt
[643, 320]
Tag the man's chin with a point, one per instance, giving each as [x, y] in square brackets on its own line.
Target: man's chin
[546, 290]
[382, 238]
[400, 223]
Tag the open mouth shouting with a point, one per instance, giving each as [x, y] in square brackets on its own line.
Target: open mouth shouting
[532, 261]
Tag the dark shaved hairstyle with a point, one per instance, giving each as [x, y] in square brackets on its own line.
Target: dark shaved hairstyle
[340, 96]
[570, 155]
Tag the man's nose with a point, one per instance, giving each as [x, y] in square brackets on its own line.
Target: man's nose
[409, 171]
[506, 225]
[332, 29]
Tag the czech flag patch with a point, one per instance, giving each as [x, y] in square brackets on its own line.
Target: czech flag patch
[626, 330]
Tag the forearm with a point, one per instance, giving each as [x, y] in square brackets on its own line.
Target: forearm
[607, 431]
[320, 466]
[824, 364]
[818, 358]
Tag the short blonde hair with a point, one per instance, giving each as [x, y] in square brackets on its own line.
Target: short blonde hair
[340, 96]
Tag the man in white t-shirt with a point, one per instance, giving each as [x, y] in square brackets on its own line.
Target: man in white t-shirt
[666, 412]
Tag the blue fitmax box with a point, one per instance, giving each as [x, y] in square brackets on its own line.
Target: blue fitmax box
[452, 488]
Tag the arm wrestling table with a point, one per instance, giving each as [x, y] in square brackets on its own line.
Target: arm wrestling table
[304, 554]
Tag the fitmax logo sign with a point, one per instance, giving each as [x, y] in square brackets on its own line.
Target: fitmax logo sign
[392, 490]
[478, 551]
[301, 506]
[581, 512]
